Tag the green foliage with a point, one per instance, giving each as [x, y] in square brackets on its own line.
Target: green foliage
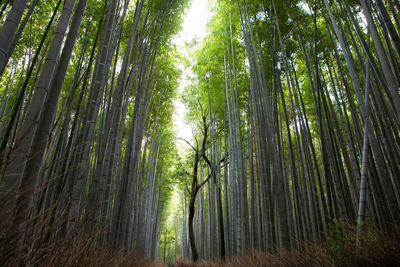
[210, 56]
[308, 42]
[374, 245]
[340, 239]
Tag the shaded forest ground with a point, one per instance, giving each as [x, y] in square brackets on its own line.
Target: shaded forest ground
[376, 249]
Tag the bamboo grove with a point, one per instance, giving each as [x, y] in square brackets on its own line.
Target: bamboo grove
[302, 99]
[295, 109]
[87, 90]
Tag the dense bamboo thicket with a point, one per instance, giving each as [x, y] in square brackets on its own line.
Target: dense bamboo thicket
[86, 106]
[295, 111]
[303, 102]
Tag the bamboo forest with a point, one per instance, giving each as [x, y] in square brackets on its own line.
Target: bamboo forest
[199, 133]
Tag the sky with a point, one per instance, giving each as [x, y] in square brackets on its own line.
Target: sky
[194, 26]
[195, 22]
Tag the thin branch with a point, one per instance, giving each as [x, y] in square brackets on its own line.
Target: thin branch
[195, 138]
[187, 188]
[187, 142]
[204, 182]
[201, 108]
[207, 160]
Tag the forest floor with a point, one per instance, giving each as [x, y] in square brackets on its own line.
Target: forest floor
[375, 249]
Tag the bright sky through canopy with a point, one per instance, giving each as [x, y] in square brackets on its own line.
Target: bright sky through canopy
[195, 22]
[194, 26]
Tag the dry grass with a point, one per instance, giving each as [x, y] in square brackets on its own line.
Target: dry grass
[67, 251]
[82, 253]
[376, 249]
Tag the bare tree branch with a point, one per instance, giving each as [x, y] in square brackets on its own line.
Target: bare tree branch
[204, 182]
[187, 188]
[187, 142]
[195, 138]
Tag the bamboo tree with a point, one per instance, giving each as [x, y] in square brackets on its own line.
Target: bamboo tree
[8, 31]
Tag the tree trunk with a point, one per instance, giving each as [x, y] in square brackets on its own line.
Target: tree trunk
[8, 30]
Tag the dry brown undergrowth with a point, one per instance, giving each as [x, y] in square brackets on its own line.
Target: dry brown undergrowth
[376, 249]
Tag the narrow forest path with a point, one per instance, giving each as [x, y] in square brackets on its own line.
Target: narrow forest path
[194, 29]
